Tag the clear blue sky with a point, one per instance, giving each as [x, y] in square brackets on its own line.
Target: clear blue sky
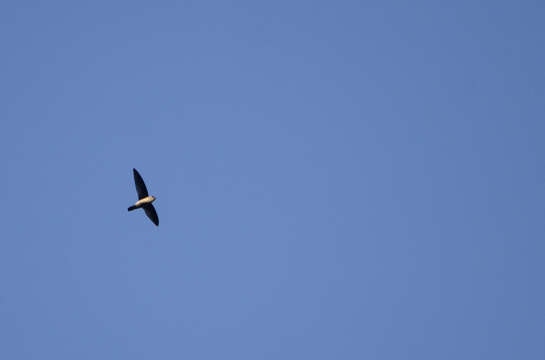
[335, 180]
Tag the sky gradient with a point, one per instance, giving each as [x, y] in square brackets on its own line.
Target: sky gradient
[334, 180]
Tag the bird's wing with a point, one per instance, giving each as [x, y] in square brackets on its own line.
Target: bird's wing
[140, 186]
[151, 213]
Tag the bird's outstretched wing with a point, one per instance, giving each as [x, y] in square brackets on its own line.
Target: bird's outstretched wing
[151, 213]
[140, 186]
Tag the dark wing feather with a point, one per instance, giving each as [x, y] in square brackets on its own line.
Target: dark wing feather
[151, 213]
[140, 186]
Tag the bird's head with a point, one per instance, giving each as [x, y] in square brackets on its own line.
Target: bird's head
[152, 198]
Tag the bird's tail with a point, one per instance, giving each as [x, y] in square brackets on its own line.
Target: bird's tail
[131, 208]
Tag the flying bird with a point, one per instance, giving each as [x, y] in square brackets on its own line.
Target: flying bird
[144, 200]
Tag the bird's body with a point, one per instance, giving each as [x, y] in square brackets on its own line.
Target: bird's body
[144, 200]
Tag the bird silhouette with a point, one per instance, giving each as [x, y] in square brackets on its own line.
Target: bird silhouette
[144, 200]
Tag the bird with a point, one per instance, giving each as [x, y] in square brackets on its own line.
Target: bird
[144, 199]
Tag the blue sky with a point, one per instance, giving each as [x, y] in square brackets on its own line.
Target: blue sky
[334, 180]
